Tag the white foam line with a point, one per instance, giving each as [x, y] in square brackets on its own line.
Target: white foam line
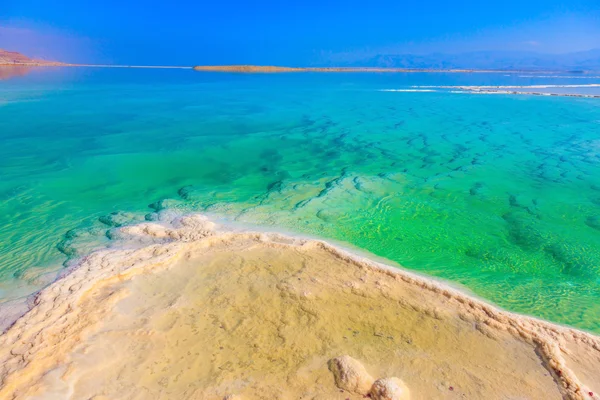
[407, 90]
[510, 87]
[558, 76]
[475, 92]
[513, 92]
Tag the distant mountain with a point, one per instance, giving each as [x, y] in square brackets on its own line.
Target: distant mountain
[14, 58]
[502, 60]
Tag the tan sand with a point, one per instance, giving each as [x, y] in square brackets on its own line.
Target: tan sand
[203, 314]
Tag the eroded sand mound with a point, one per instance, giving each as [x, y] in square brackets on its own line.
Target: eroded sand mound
[200, 314]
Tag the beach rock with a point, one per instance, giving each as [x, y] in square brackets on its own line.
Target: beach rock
[389, 389]
[350, 375]
[232, 397]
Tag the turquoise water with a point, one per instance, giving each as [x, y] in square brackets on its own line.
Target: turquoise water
[498, 193]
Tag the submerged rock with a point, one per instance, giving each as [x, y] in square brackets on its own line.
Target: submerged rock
[389, 389]
[350, 375]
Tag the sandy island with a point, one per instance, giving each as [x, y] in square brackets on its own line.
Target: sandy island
[275, 69]
[190, 310]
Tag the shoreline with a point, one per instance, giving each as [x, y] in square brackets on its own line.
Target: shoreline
[382, 263]
[230, 226]
[49, 65]
[251, 69]
[281, 69]
[162, 246]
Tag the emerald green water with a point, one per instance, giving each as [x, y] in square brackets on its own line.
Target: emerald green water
[498, 193]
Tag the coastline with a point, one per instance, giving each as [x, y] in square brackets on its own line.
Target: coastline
[77, 304]
[280, 69]
[255, 69]
[93, 66]
[261, 69]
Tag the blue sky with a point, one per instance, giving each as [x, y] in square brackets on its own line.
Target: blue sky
[288, 32]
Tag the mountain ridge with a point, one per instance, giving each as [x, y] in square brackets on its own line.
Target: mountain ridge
[497, 60]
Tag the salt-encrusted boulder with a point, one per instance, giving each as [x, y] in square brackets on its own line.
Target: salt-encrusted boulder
[350, 375]
[389, 389]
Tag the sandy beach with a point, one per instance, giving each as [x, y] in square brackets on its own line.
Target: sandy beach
[205, 312]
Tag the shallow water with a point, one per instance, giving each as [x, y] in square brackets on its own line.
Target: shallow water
[499, 193]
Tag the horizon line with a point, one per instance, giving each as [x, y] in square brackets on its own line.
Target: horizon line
[252, 68]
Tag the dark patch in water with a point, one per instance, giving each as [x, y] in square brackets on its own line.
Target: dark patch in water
[117, 219]
[398, 124]
[522, 233]
[573, 263]
[593, 222]
[476, 189]
[358, 185]
[326, 215]
[185, 192]
[275, 186]
[514, 202]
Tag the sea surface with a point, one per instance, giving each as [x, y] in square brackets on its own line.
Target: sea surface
[498, 193]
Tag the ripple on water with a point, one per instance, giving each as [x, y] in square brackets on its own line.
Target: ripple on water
[497, 193]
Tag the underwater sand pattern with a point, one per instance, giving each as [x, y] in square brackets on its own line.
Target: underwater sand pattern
[497, 193]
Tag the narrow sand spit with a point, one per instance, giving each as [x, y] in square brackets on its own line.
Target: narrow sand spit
[194, 312]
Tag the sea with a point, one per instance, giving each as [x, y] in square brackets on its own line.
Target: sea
[496, 193]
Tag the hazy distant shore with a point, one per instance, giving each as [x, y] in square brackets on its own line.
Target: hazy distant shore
[276, 69]
[93, 65]
[258, 69]
[386, 64]
[34, 64]
[281, 69]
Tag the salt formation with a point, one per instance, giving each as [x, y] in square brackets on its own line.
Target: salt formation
[389, 389]
[350, 375]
